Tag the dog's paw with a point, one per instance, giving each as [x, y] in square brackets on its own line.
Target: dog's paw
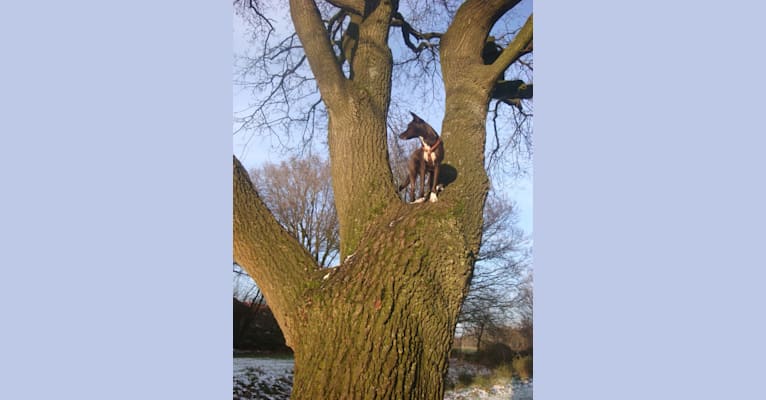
[420, 200]
[433, 198]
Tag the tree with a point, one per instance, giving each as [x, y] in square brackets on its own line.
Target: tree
[299, 194]
[498, 286]
[381, 324]
[498, 307]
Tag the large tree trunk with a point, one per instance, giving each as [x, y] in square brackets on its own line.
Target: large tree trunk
[380, 325]
[361, 176]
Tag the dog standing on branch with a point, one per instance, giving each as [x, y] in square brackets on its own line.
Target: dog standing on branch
[425, 159]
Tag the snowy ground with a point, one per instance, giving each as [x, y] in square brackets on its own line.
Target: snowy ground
[270, 366]
[269, 378]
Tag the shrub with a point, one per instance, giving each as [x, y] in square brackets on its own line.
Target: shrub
[465, 379]
[522, 366]
[502, 374]
[495, 354]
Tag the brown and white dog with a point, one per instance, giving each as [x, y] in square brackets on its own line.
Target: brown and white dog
[425, 159]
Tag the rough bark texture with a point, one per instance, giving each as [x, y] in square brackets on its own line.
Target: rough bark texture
[272, 257]
[380, 325]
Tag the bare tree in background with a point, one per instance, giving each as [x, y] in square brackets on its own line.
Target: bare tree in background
[381, 324]
[299, 194]
[502, 267]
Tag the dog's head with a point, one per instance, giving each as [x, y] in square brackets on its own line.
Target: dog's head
[417, 127]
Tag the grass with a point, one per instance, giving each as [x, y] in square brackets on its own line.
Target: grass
[483, 378]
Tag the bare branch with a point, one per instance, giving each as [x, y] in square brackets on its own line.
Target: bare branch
[473, 21]
[318, 47]
[519, 46]
[254, 6]
[514, 147]
[352, 6]
[493, 153]
[408, 31]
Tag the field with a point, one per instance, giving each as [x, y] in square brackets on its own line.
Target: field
[271, 379]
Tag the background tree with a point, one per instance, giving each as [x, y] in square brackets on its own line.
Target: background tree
[381, 324]
[497, 288]
[298, 192]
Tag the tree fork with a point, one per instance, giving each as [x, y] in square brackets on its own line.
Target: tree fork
[382, 315]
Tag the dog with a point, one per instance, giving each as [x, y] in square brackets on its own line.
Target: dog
[425, 159]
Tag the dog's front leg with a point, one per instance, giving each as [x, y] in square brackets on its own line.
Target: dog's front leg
[434, 183]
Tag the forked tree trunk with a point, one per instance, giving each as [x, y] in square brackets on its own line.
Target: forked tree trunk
[380, 325]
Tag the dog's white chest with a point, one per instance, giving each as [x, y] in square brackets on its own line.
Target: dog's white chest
[429, 155]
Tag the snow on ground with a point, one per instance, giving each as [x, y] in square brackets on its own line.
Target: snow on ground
[510, 391]
[270, 378]
[270, 366]
[262, 378]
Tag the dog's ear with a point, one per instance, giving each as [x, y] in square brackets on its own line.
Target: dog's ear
[415, 117]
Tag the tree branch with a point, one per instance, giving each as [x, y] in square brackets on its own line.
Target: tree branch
[464, 125]
[519, 46]
[408, 30]
[357, 112]
[280, 266]
[254, 6]
[471, 25]
[352, 6]
[318, 47]
[512, 90]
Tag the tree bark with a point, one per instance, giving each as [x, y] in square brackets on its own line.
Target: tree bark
[380, 325]
[272, 257]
